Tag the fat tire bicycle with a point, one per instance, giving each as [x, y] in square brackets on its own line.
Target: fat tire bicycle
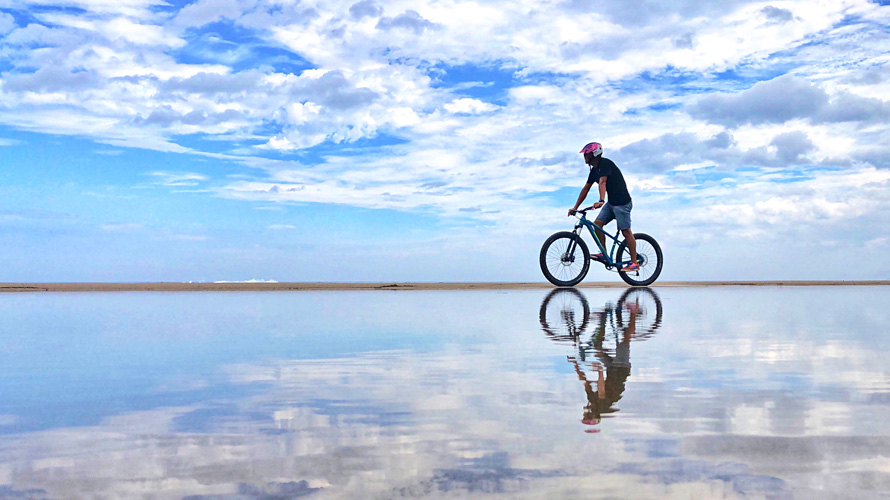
[565, 258]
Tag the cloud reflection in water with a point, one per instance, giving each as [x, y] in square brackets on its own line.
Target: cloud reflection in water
[709, 393]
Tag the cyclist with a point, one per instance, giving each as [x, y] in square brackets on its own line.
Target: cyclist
[604, 172]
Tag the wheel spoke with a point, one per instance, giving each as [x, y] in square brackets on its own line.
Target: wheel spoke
[647, 251]
[564, 271]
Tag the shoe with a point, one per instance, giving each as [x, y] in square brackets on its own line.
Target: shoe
[632, 267]
[599, 257]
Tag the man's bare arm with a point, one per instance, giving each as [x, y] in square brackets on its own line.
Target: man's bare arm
[602, 183]
[581, 197]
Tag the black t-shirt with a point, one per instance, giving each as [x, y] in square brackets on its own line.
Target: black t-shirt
[615, 185]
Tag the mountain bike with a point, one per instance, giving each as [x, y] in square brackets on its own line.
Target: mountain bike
[565, 258]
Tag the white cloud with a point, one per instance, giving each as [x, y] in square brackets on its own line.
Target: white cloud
[175, 179]
[124, 226]
[469, 106]
[353, 72]
[10, 217]
[139, 34]
[409, 20]
[183, 237]
[7, 23]
[135, 8]
[775, 101]
[109, 152]
[365, 8]
[203, 12]
[786, 98]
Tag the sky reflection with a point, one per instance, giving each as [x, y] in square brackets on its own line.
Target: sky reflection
[708, 393]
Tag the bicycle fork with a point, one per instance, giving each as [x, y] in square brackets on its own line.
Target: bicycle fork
[569, 256]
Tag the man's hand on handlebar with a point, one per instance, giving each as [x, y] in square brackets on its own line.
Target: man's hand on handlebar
[582, 211]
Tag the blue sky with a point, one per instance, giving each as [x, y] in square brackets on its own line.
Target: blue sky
[147, 140]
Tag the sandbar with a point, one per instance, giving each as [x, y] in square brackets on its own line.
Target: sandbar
[383, 286]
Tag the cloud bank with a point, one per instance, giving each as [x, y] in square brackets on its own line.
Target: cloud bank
[460, 109]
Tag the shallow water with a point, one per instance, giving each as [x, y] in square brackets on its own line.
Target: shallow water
[730, 392]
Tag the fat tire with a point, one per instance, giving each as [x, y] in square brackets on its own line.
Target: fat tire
[619, 257]
[584, 252]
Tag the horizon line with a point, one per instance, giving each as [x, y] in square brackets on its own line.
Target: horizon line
[257, 286]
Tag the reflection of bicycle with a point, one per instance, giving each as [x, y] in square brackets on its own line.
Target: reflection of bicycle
[565, 259]
[649, 311]
[569, 314]
[565, 315]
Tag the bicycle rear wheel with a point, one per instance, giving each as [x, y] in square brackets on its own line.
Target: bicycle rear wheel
[648, 256]
[564, 259]
[649, 311]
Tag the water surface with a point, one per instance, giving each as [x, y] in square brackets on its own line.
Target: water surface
[737, 392]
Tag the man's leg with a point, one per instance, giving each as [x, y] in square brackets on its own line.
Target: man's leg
[631, 243]
[622, 214]
[599, 233]
[605, 216]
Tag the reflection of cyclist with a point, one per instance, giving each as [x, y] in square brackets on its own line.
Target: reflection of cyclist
[609, 388]
[637, 316]
[604, 172]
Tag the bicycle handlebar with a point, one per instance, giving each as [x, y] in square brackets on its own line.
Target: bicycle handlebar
[582, 211]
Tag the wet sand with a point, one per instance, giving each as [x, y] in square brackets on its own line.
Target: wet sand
[300, 286]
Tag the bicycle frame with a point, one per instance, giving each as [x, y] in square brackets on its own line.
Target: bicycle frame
[606, 316]
[609, 256]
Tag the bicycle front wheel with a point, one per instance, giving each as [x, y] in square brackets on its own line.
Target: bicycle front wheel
[648, 256]
[564, 314]
[564, 259]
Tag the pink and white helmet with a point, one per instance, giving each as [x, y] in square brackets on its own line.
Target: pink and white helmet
[594, 149]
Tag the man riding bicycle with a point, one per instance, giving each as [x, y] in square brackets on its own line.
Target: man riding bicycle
[604, 172]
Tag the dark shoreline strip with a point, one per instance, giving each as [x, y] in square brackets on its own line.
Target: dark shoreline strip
[282, 287]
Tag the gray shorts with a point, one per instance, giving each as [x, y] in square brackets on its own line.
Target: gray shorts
[620, 213]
